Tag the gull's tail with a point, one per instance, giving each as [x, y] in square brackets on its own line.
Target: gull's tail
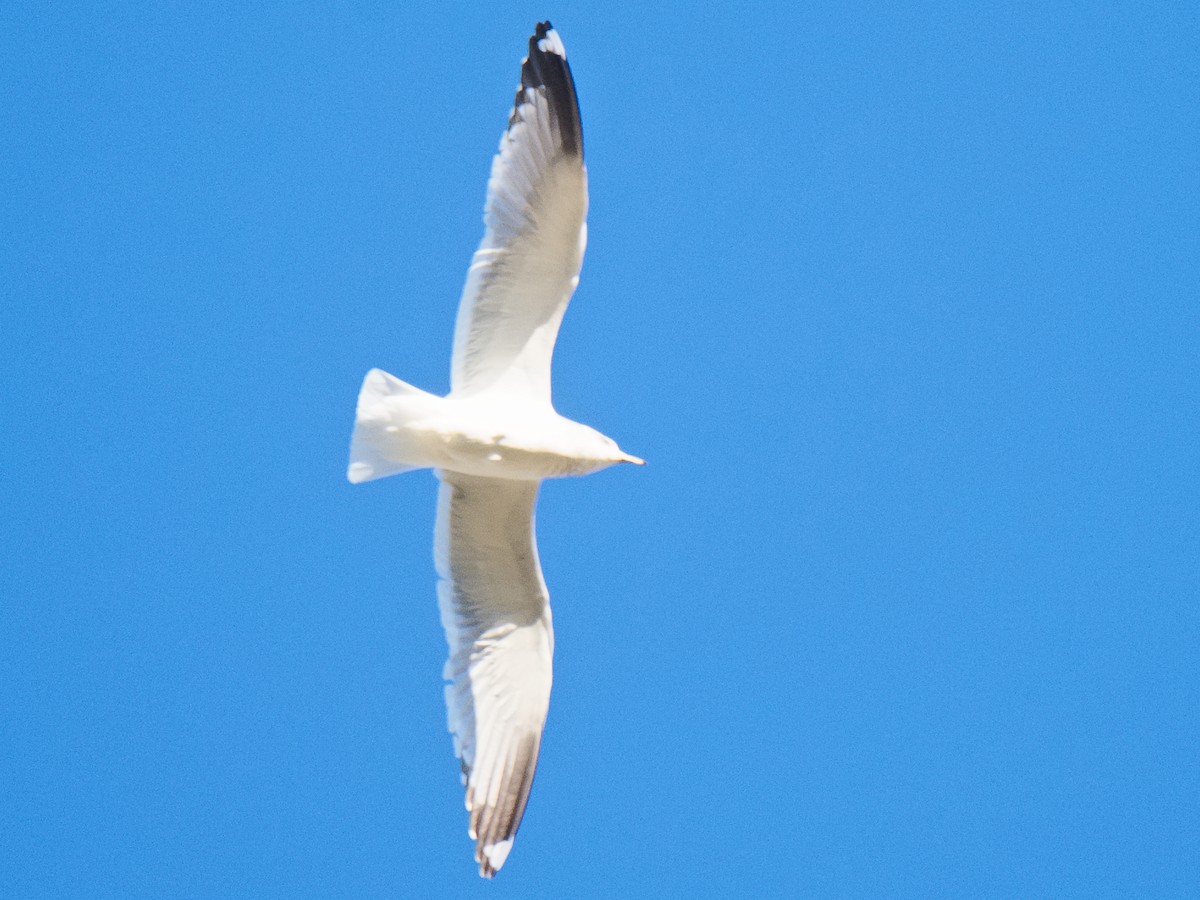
[382, 444]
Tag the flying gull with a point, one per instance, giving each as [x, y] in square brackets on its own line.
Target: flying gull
[493, 439]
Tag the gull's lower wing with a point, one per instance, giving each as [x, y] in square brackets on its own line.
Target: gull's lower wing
[496, 613]
[527, 266]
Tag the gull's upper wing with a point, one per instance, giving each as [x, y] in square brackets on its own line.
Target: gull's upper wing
[496, 613]
[527, 266]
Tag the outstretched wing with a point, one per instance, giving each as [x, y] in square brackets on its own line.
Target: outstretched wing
[496, 613]
[527, 266]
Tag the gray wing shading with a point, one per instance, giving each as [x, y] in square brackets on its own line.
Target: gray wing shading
[496, 613]
[527, 265]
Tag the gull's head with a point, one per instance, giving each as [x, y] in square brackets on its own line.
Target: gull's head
[591, 445]
[616, 454]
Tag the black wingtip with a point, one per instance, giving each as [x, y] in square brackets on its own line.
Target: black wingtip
[546, 67]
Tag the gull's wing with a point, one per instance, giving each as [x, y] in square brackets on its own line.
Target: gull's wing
[496, 613]
[527, 265]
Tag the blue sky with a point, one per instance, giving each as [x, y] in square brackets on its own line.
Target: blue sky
[899, 301]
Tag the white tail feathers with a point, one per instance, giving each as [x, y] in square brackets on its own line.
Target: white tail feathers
[386, 406]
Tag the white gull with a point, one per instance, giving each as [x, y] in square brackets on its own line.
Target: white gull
[493, 439]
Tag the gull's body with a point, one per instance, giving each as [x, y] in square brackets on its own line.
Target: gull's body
[493, 439]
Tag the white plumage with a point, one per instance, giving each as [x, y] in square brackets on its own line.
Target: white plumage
[493, 439]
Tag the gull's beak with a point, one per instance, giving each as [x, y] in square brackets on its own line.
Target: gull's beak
[637, 461]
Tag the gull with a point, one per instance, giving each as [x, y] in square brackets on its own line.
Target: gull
[492, 440]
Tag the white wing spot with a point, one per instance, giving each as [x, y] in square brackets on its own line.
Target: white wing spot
[497, 853]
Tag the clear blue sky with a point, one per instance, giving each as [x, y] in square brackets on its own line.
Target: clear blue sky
[899, 301]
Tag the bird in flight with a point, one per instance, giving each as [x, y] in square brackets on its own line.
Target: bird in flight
[493, 439]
